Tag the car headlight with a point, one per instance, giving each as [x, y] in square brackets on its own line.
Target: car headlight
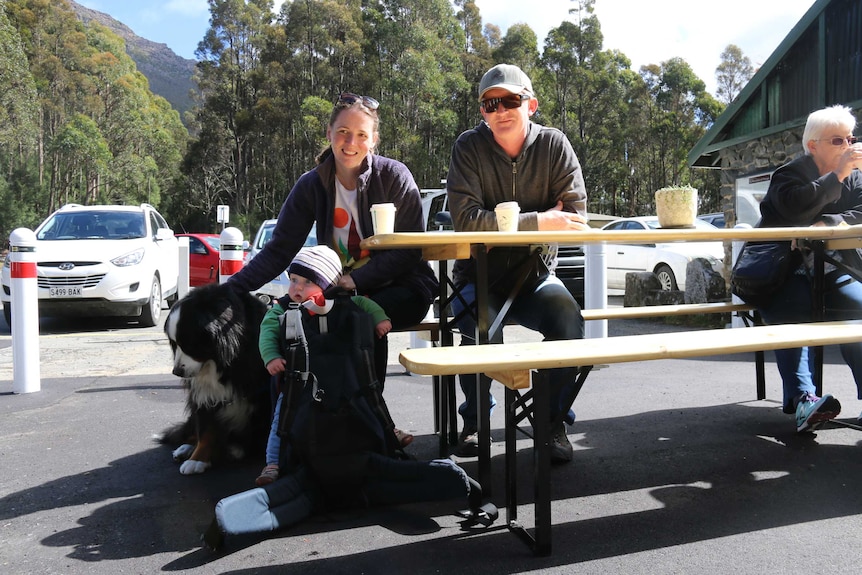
[129, 259]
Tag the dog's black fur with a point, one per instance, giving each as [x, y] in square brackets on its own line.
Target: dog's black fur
[213, 333]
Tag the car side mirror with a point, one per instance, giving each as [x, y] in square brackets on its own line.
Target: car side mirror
[443, 219]
[164, 234]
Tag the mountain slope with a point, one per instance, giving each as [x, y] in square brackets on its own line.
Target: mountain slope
[169, 75]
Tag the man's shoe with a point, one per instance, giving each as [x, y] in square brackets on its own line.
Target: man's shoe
[561, 448]
[468, 442]
[813, 411]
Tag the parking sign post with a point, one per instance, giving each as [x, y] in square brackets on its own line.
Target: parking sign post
[25, 312]
[230, 253]
[223, 215]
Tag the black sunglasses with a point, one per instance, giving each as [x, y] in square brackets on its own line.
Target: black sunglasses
[351, 98]
[839, 141]
[509, 102]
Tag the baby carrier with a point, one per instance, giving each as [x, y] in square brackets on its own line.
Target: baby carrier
[333, 416]
[338, 447]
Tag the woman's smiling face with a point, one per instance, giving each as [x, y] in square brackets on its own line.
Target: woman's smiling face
[352, 137]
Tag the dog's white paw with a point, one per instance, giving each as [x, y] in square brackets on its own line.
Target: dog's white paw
[192, 467]
[183, 452]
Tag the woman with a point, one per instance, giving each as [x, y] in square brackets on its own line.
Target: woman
[338, 194]
[823, 187]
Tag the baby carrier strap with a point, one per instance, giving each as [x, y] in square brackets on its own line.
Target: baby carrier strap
[294, 348]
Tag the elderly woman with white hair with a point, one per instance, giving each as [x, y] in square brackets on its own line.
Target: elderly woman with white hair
[823, 187]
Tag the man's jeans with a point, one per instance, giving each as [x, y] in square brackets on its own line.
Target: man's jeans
[549, 309]
[794, 303]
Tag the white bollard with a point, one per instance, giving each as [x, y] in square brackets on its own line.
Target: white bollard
[230, 253]
[595, 287]
[183, 278]
[736, 247]
[25, 312]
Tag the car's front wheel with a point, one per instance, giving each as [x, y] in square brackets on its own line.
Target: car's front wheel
[151, 310]
[665, 277]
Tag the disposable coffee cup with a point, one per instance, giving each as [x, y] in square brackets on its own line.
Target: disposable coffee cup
[383, 218]
[507, 216]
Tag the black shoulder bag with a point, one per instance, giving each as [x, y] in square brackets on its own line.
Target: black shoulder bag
[760, 270]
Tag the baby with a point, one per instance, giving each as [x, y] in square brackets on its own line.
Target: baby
[313, 270]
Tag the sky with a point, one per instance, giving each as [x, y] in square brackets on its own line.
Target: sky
[647, 32]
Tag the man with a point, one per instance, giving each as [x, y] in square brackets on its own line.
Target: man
[507, 158]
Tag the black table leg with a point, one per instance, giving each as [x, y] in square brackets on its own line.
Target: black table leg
[482, 337]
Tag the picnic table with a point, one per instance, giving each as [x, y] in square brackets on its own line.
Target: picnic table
[514, 364]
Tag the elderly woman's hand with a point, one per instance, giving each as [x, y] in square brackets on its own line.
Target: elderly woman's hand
[850, 159]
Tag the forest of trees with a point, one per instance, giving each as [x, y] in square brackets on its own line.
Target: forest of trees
[79, 124]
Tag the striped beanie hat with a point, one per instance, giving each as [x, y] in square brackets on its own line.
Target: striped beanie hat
[319, 264]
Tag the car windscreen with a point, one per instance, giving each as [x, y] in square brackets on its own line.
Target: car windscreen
[97, 225]
[213, 241]
[266, 235]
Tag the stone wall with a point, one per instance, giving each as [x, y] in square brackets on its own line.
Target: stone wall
[760, 155]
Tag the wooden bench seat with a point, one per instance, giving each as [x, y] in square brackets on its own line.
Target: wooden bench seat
[665, 310]
[512, 364]
[518, 359]
[445, 420]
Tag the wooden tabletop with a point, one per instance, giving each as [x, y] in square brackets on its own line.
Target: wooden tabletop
[849, 236]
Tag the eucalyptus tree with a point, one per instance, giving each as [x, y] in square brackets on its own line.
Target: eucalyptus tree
[53, 40]
[520, 47]
[319, 52]
[681, 110]
[413, 62]
[228, 56]
[586, 89]
[732, 74]
[144, 135]
[101, 135]
[476, 57]
[19, 114]
[18, 99]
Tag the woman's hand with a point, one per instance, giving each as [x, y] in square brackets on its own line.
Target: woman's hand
[346, 283]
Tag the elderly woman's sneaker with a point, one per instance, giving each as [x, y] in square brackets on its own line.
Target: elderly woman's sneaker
[813, 411]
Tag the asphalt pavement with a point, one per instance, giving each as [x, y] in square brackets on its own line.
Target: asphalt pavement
[677, 469]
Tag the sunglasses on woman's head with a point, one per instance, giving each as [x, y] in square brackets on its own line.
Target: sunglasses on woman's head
[509, 102]
[839, 141]
[351, 98]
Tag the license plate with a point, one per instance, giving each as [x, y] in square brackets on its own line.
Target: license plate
[72, 291]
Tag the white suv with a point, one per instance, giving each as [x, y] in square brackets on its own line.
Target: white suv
[103, 261]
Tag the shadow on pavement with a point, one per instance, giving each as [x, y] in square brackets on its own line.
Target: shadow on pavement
[659, 479]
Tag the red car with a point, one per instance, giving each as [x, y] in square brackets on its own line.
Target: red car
[203, 258]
